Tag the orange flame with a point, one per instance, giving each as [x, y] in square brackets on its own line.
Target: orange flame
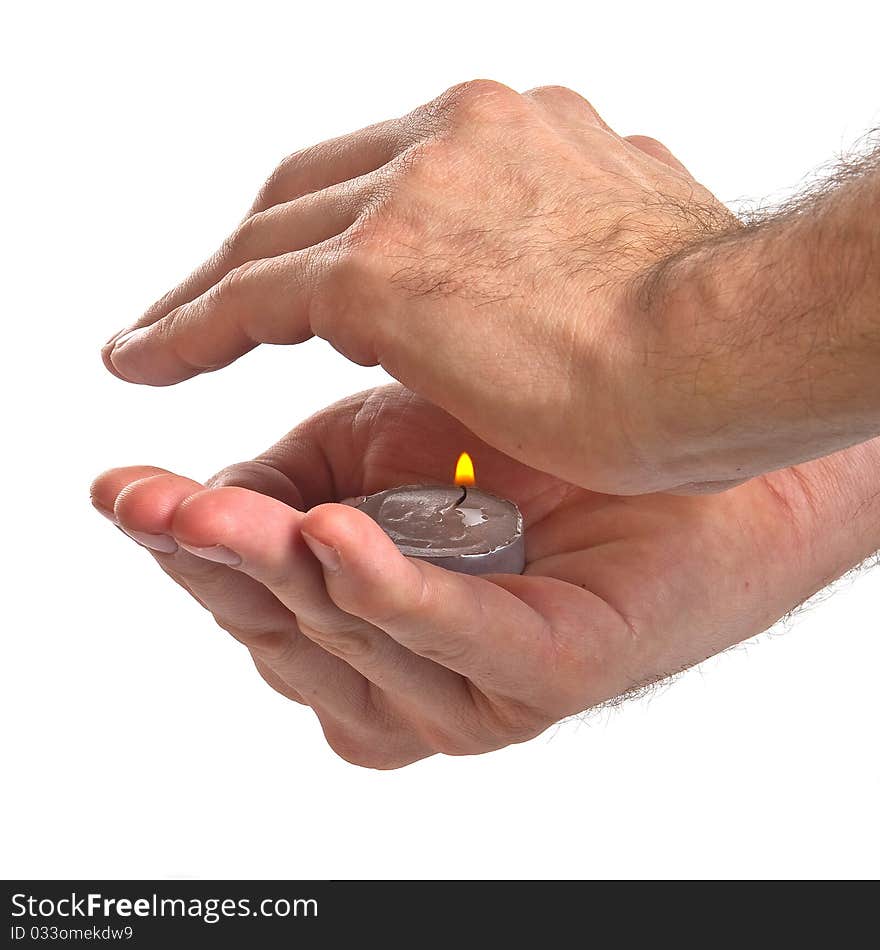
[464, 470]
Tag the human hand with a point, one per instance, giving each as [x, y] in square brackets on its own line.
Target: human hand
[486, 250]
[401, 659]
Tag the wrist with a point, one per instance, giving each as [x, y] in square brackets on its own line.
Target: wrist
[685, 305]
[825, 513]
[766, 341]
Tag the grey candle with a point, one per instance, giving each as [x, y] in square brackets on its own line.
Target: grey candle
[458, 527]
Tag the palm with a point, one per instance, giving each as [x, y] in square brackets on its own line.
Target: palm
[673, 568]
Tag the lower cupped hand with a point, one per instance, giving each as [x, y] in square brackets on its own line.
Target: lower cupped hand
[401, 659]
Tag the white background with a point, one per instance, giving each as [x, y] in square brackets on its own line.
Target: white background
[138, 739]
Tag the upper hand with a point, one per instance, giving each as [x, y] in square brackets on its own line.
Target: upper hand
[485, 250]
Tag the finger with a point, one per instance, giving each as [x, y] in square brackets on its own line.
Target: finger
[266, 540]
[259, 476]
[145, 508]
[106, 487]
[277, 230]
[328, 167]
[271, 678]
[467, 624]
[566, 108]
[657, 150]
[266, 301]
[334, 161]
[104, 492]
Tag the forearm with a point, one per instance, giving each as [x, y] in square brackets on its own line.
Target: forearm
[768, 347]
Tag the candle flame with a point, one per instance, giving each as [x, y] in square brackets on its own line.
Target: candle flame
[464, 470]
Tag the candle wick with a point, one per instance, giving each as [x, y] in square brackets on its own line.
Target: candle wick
[463, 495]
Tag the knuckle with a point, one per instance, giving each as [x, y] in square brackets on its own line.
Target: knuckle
[644, 140]
[344, 285]
[647, 144]
[258, 475]
[355, 259]
[277, 187]
[237, 246]
[400, 607]
[354, 751]
[452, 651]
[390, 224]
[507, 721]
[515, 724]
[273, 647]
[240, 474]
[479, 90]
[463, 739]
[364, 752]
[475, 100]
[196, 574]
[352, 643]
[429, 165]
[553, 90]
[373, 230]
[348, 305]
[563, 96]
[356, 276]
[233, 283]
[272, 190]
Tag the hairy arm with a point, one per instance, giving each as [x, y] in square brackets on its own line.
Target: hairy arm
[767, 348]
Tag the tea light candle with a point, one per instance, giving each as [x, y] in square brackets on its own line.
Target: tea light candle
[460, 528]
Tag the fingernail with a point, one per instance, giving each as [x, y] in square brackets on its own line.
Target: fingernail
[162, 543]
[106, 512]
[113, 338]
[217, 553]
[120, 353]
[124, 352]
[129, 337]
[328, 556]
[353, 502]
